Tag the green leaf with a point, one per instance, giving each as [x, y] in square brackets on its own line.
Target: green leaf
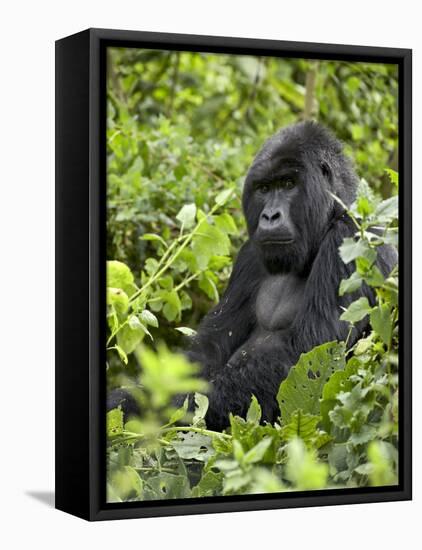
[153, 237]
[114, 422]
[166, 374]
[120, 276]
[211, 484]
[351, 249]
[301, 425]
[207, 284]
[201, 402]
[186, 215]
[374, 277]
[303, 470]
[223, 196]
[180, 412]
[167, 486]
[122, 354]
[356, 311]
[338, 382]
[193, 445]
[381, 458]
[226, 223]
[209, 241]
[118, 298]
[131, 334]
[387, 210]
[149, 318]
[303, 386]
[351, 284]
[126, 483]
[254, 412]
[186, 331]
[381, 322]
[257, 453]
[393, 175]
[173, 307]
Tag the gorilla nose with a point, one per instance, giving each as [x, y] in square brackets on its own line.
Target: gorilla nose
[270, 218]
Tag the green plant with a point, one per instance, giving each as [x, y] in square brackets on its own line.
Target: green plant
[337, 428]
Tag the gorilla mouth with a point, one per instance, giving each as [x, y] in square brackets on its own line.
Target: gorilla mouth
[277, 241]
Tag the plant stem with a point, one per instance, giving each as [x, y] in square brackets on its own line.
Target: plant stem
[186, 239]
[202, 431]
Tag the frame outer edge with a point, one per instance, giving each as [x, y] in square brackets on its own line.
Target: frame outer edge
[95, 443]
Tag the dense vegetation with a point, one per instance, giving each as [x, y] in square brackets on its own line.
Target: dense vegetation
[182, 130]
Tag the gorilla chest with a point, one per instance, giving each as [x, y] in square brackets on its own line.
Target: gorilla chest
[279, 300]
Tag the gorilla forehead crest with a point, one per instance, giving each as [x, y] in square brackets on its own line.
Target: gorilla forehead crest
[312, 150]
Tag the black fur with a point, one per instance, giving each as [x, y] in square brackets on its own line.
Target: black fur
[239, 356]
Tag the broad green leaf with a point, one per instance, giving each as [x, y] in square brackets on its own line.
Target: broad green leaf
[303, 386]
[211, 484]
[351, 284]
[186, 215]
[131, 334]
[114, 422]
[120, 276]
[226, 223]
[381, 322]
[193, 445]
[301, 425]
[388, 210]
[166, 486]
[372, 275]
[338, 382]
[126, 483]
[356, 311]
[118, 298]
[172, 307]
[209, 241]
[351, 249]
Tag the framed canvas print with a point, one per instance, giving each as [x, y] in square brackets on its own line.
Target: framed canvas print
[233, 274]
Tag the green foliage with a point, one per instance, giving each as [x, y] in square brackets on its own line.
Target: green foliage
[182, 129]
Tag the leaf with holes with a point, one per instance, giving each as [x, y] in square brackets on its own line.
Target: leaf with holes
[302, 389]
[192, 445]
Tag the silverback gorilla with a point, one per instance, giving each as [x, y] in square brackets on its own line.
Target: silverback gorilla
[282, 297]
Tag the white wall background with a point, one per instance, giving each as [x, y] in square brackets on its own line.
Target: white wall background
[27, 36]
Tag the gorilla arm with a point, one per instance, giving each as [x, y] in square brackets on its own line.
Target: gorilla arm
[230, 323]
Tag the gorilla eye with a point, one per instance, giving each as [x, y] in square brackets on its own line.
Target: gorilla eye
[289, 183]
[264, 188]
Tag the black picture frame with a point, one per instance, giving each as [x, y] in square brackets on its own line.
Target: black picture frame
[80, 272]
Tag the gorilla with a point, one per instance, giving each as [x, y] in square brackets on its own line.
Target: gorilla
[282, 297]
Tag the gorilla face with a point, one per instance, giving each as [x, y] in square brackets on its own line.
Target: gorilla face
[287, 197]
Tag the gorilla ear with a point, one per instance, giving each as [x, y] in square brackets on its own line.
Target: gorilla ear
[326, 171]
